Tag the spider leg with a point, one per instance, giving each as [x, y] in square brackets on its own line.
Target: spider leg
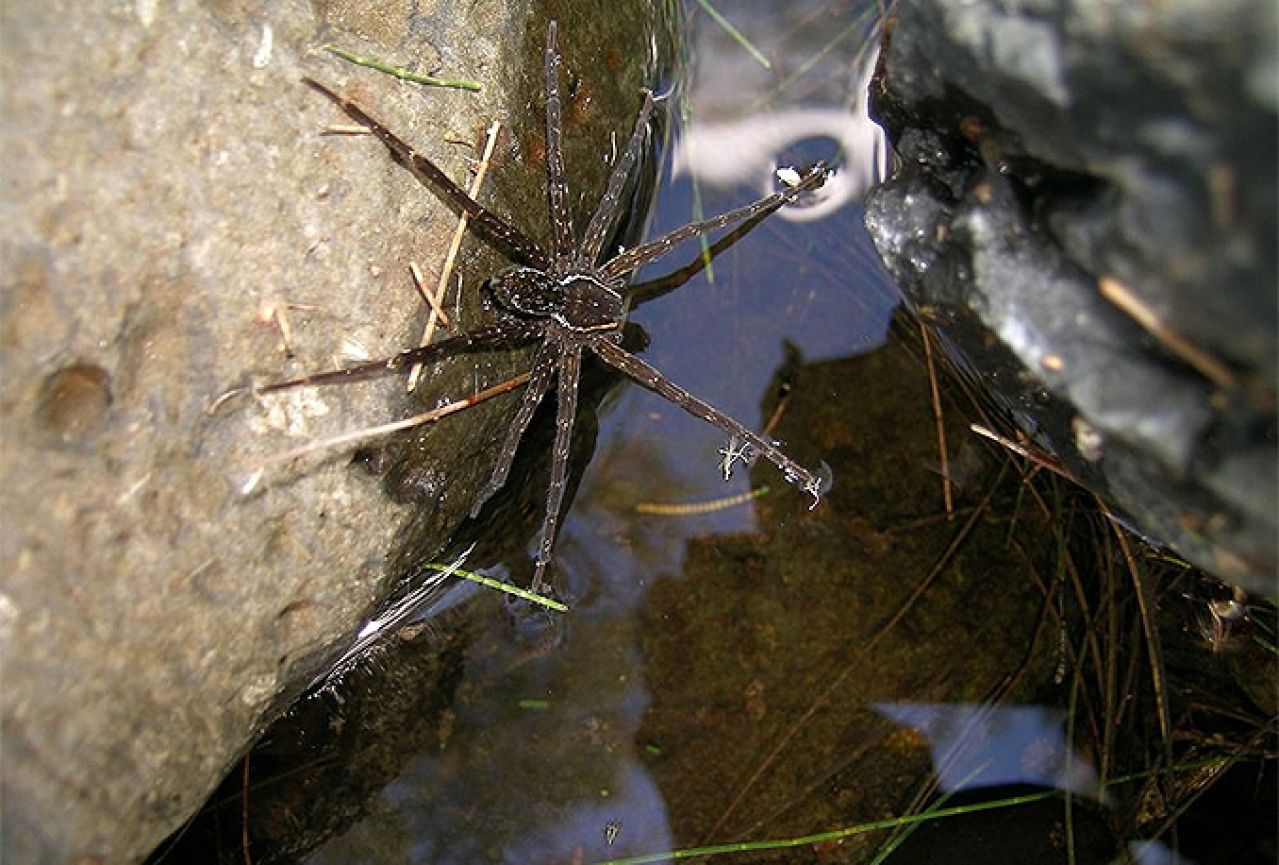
[655, 249]
[570, 366]
[499, 335]
[543, 369]
[556, 177]
[650, 377]
[506, 237]
[643, 292]
[606, 213]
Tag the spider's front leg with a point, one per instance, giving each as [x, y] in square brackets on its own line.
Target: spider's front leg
[504, 236]
[556, 177]
[645, 253]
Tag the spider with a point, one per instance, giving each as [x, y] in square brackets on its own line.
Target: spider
[571, 299]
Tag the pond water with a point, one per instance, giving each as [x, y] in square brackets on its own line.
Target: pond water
[736, 667]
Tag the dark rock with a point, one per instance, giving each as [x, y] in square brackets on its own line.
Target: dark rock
[1010, 835]
[1085, 208]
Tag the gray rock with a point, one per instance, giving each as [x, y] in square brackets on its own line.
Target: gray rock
[166, 182]
[1085, 207]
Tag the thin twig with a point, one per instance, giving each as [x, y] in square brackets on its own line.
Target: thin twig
[454, 245]
[778, 410]
[1136, 309]
[1214, 775]
[1022, 451]
[1154, 653]
[244, 814]
[395, 426]
[430, 298]
[346, 129]
[1068, 801]
[948, 496]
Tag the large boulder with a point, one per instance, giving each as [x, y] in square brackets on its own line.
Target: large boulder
[168, 189]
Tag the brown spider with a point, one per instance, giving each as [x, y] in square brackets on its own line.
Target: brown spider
[567, 299]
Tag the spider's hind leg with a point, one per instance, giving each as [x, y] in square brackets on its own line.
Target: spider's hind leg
[499, 335]
[570, 367]
[814, 483]
[543, 368]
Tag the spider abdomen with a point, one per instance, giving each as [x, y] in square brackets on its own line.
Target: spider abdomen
[527, 291]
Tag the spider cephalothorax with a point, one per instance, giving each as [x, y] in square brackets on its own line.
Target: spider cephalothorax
[579, 301]
[571, 299]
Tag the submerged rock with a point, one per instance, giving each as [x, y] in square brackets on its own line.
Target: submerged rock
[1085, 209]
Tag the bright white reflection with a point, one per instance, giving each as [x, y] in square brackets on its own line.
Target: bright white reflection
[749, 149]
[974, 745]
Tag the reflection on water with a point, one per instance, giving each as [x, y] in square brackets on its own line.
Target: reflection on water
[728, 147]
[540, 763]
[982, 746]
[733, 153]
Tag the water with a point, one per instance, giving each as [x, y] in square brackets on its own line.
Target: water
[737, 667]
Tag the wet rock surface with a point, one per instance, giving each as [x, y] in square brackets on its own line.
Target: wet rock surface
[1085, 209]
[315, 771]
[169, 195]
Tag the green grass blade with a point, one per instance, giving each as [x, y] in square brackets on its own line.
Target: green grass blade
[896, 841]
[833, 835]
[933, 813]
[737, 35]
[509, 589]
[400, 72]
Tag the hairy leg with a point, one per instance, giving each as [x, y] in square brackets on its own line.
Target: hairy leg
[570, 367]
